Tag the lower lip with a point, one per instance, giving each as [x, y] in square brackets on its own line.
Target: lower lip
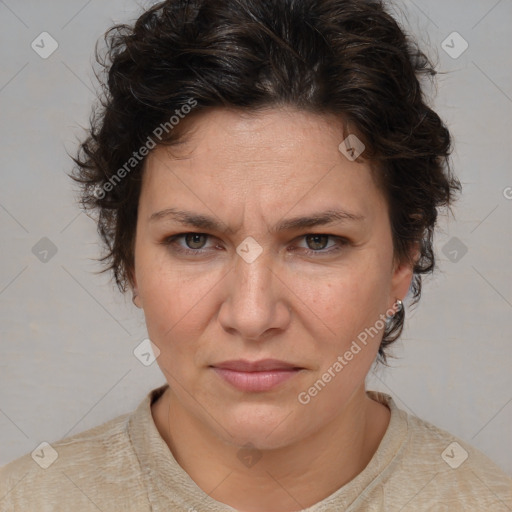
[256, 381]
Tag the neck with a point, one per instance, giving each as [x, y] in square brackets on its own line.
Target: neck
[286, 479]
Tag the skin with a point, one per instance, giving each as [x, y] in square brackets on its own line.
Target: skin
[249, 172]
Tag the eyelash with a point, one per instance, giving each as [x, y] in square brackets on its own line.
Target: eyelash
[171, 241]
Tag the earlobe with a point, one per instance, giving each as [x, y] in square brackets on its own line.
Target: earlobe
[136, 299]
[403, 275]
[135, 291]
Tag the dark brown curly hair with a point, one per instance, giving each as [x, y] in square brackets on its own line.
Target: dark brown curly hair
[344, 57]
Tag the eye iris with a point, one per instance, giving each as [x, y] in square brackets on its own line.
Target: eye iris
[194, 237]
[316, 240]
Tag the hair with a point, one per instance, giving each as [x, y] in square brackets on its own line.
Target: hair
[349, 58]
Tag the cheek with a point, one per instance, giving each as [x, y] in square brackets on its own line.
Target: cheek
[174, 304]
[348, 337]
[351, 307]
[346, 300]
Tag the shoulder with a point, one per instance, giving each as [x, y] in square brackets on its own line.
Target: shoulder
[434, 468]
[81, 471]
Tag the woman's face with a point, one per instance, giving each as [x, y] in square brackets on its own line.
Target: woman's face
[255, 281]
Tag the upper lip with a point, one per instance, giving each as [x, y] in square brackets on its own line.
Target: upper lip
[242, 365]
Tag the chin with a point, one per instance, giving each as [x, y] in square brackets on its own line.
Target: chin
[265, 427]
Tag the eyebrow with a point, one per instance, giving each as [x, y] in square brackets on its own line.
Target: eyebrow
[200, 221]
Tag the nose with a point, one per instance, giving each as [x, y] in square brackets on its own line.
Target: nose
[256, 300]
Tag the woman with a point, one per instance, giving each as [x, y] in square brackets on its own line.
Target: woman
[267, 179]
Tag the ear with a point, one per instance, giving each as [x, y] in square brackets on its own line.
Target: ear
[136, 299]
[402, 275]
[135, 290]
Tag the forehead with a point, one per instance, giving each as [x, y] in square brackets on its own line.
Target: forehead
[268, 133]
[270, 159]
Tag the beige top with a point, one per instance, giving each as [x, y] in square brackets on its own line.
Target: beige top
[125, 465]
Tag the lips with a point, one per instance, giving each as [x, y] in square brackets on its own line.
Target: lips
[256, 376]
[256, 366]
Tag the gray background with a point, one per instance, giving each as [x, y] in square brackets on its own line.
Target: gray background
[67, 336]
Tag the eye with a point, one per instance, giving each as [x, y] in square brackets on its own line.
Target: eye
[317, 243]
[194, 243]
[195, 240]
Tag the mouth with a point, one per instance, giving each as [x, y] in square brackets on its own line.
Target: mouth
[256, 376]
